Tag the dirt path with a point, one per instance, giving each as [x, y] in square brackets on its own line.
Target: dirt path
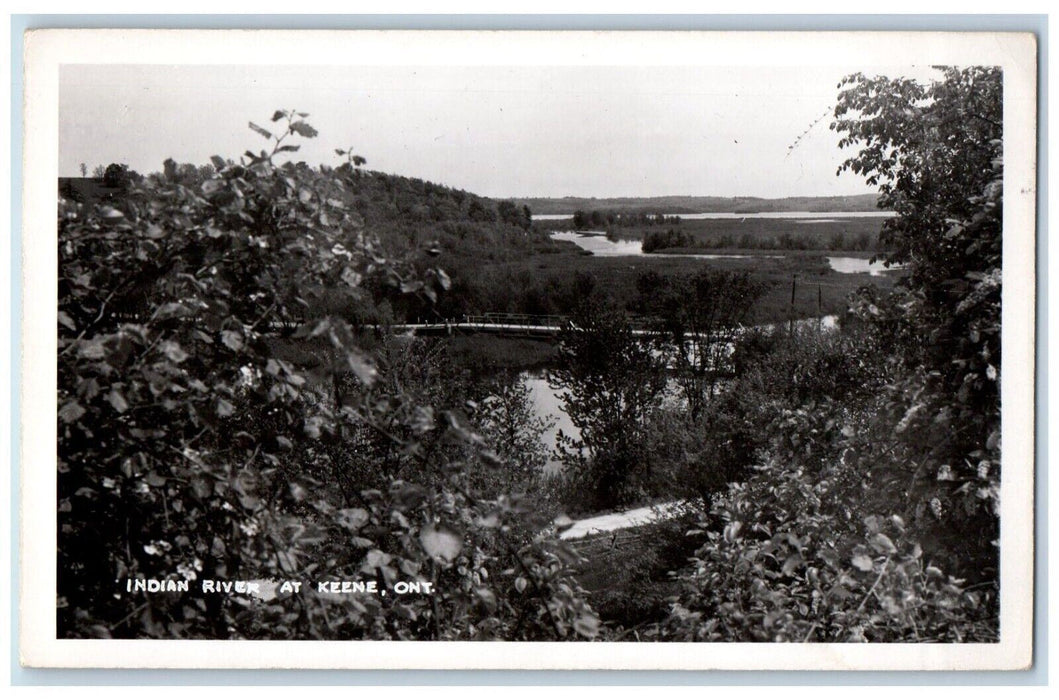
[617, 521]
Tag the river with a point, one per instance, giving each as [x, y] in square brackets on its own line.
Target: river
[547, 405]
[597, 243]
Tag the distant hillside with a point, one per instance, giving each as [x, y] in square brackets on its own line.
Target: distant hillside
[697, 205]
[408, 214]
[379, 197]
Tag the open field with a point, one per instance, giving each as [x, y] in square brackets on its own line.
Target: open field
[546, 283]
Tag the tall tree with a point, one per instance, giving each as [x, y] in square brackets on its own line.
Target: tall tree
[609, 383]
[700, 320]
[935, 152]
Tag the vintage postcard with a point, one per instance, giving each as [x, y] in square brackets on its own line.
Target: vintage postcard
[528, 350]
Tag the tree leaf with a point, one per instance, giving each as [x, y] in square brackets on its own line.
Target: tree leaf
[882, 544]
[361, 366]
[487, 597]
[312, 426]
[587, 626]
[442, 544]
[351, 276]
[264, 132]
[117, 400]
[71, 411]
[171, 310]
[374, 559]
[489, 521]
[444, 281]
[862, 562]
[111, 215]
[173, 351]
[232, 339]
[303, 129]
[791, 565]
[352, 518]
[92, 349]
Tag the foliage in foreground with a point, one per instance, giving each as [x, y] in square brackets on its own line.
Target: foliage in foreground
[188, 449]
[868, 491]
[849, 483]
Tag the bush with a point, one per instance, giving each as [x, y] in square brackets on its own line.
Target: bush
[822, 540]
[785, 568]
[944, 178]
[610, 382]
[190, 448]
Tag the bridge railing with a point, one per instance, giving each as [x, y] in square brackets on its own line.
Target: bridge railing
[507, 319]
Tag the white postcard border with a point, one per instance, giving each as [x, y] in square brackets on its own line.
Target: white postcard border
[46, 50]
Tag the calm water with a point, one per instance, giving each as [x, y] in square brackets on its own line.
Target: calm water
[858, 265]
[546, 404]
[598, 244]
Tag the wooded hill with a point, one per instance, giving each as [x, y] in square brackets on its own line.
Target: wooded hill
[407, 213]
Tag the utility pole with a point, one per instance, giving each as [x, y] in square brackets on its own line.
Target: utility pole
[820, 306]
[790, 323]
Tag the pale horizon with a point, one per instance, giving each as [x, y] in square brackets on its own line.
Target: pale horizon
[498, 131]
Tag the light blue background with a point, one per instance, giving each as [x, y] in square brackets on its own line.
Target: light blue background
[1037, 24]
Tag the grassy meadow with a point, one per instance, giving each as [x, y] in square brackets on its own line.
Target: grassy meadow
[550, 282]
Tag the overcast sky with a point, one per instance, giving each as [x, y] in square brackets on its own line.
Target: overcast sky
[495, 131]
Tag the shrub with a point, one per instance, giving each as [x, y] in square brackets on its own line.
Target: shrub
[190, 448]
[784, 568]
[610, 383]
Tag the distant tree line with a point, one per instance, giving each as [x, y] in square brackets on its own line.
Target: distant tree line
[596, 218]
[657, 240]
[802, 240]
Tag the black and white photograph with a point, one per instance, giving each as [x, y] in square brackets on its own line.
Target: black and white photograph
[643, 345]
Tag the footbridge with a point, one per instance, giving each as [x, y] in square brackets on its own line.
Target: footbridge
[546, 327]
[502, 324]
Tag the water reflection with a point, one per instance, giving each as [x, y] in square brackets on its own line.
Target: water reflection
[597, 243]
[546, 404]
[851, 266]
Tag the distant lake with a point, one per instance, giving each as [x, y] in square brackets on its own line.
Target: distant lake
[818, 216]
[597, 243]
